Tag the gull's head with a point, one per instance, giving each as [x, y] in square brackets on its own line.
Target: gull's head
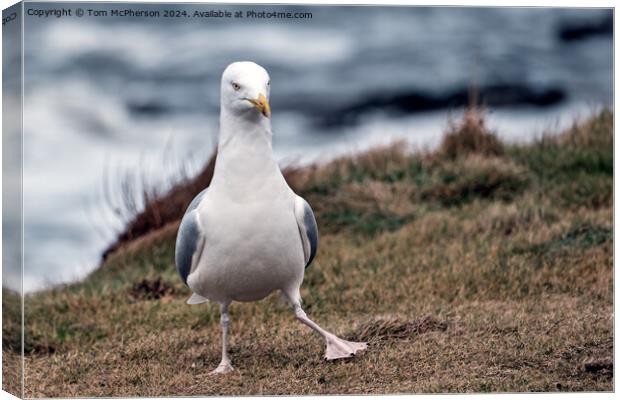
[245, 90]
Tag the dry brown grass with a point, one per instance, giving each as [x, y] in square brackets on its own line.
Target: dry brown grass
[470, 135]
[390, 327]
[502, 289]
[11, 343]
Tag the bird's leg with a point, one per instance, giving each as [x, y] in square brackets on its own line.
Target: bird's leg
[336, 347]
[225, 365]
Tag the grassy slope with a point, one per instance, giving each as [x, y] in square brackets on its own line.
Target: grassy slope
[481, 267]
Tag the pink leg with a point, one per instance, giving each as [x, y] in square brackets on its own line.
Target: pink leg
[225, 365]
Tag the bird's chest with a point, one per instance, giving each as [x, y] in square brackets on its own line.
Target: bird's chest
[251, 248]
[250, 223]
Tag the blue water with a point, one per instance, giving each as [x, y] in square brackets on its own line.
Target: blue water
[107, 97]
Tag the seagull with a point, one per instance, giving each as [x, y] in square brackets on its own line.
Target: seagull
[248, 234]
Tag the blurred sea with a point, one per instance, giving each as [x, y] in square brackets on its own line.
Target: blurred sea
[108, 96]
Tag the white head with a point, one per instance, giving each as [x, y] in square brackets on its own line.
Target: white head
[245, 90]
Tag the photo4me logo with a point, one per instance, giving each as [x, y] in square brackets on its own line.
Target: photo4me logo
[278, 14]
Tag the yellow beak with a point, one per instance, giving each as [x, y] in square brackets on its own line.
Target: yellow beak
[262, 105]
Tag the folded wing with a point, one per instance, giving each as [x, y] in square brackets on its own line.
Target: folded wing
[190, 239]
[307, 229]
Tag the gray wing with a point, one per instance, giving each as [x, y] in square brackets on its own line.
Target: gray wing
[190, 239]
[307, 229]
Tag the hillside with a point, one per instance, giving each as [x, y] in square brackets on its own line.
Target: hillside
[479, 267]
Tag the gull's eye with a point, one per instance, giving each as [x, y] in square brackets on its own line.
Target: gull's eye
[268, 83]
[236, 86]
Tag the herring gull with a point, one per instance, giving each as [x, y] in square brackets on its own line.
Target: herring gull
[248, 234]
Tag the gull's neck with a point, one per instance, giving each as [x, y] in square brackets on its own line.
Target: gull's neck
[245, 162]
[250, 130]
